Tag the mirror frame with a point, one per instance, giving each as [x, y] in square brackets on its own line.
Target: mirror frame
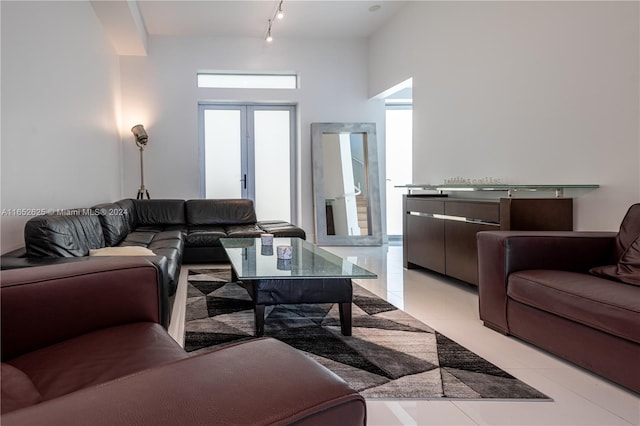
[322, 238]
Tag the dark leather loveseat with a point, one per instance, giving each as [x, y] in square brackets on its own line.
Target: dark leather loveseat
[82, 345]
[575, 294]
[176, 231]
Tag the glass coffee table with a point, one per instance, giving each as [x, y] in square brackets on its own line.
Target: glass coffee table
[312, 275]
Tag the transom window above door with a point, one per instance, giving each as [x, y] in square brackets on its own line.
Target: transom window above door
[247, 81]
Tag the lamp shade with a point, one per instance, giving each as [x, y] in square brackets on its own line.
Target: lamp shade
[141, 135]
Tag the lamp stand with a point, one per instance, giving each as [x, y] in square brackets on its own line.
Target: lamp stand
[142, 192]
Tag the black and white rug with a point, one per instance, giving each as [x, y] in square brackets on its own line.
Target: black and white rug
[390, 354]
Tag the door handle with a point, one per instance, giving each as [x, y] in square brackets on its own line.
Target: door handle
[244, 181]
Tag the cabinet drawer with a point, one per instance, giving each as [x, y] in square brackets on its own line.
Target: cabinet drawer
[484, 211]
[425, 205]
[461, 251]
[425, 243]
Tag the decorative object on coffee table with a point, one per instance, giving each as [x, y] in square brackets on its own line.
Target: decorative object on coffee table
[285, 252]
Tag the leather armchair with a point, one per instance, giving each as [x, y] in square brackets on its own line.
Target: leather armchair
[574, 294]
[502, 253]
[82, 344]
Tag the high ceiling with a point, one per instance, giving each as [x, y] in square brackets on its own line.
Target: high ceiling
[240, 18]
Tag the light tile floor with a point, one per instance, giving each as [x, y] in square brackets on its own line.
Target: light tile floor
[580, 398]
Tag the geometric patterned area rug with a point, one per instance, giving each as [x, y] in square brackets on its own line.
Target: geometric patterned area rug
[390, 354]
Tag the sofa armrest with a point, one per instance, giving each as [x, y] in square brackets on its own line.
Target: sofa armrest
[502, 252]
[47, 304]
[14, 260]
[261, 382]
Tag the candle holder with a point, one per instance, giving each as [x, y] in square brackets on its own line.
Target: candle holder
[285, 252]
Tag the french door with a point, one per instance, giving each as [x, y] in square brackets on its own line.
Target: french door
[248, 151]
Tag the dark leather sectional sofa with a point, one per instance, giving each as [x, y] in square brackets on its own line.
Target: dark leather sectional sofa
[575, 294]
[176, 231]
[97, 355]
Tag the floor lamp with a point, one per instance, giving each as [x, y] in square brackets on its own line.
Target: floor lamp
[141, 140]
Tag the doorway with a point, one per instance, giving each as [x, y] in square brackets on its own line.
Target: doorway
[248, 151]
[399, 134]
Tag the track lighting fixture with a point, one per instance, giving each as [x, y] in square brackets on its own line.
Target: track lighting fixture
[269, 38]
[279, 14]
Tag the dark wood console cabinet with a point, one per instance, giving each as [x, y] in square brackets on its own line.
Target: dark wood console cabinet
[440, 232]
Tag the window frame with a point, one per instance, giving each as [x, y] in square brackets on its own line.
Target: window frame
[230, 80]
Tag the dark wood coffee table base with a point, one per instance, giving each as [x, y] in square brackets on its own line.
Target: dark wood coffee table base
[301, 291]
[345, 319]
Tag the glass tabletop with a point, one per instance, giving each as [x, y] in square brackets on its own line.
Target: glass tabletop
[252, 260]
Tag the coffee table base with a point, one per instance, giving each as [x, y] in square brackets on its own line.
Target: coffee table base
[301, 291]
[345, 319]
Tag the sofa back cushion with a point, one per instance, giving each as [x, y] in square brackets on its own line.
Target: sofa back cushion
[628, 268]
[159, 212]
[220, 212]
[128, 206]
[114, 222]
[627, 251]
[69, 235]
[629, 230]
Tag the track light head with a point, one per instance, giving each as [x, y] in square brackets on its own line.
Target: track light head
[269, 39]
[280, 13]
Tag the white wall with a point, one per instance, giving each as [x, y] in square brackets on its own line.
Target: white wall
[533, 92]
[60, 109]
[160, 91]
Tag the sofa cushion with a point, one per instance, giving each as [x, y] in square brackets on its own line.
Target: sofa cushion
[170, 244]
[97, 357]
[282, 229]
[602, 304]
[169, 235]
[70, 235]
[167, 243]
[122, 251]
[243, 231]
[220, 212]
[114, 222]
[149, 228]
[159, 212]
[128, 206]
[18, 391]
[629, 230]
[204, 236]
[138, 238]
[628, 268]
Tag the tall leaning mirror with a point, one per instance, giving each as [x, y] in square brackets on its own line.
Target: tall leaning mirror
[346, 184]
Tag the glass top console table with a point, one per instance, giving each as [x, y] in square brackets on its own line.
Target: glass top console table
[312, 275]
[510, 189]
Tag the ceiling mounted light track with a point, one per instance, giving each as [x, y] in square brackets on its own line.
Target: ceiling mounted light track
[279, 14]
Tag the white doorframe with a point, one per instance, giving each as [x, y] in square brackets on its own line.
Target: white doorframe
[248, 161]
